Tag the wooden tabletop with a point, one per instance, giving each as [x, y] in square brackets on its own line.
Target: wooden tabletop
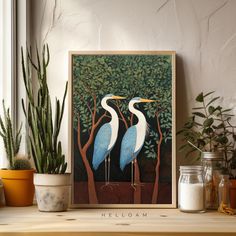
[98, 222]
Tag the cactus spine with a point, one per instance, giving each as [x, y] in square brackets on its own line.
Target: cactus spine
[44, 146]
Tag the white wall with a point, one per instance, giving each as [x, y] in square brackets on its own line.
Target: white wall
[6, 69]
[202, 32]
[23, 35]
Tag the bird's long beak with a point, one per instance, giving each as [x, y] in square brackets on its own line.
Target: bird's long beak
[118, 97]
[147, 100]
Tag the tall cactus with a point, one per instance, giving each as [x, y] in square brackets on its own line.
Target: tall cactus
[44, 146]
[11, 141]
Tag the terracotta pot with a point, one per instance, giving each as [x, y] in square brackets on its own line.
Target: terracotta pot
[18, 187]
[52, 191]
[232, 194]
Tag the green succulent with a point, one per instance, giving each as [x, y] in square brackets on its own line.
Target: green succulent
[45, 148]
[10, 139]
[21, 163]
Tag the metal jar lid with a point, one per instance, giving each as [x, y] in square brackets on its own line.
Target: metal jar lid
[212, 155]
[191, 169]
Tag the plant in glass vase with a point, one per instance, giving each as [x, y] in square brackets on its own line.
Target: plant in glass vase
[209, 132]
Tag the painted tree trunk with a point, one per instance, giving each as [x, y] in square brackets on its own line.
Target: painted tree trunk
[157, 169]
[91, 184]
[83, 151]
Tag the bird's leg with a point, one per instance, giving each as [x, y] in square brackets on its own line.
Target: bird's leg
[107, 174]
[134, 163]
[132, 175]
[105, 170]
[106, 182]
[135, 183]
[109, 169]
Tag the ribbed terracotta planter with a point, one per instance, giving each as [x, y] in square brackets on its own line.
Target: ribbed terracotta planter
[18, 187]
[232, 194]
[52, 191]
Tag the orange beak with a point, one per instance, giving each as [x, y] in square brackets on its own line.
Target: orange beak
[147, 100]
[118, 97]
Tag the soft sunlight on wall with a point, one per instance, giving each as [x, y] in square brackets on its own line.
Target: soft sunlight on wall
[5, 64]
[203, 33]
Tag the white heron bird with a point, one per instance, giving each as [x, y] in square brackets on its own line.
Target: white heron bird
[134, 137]
[106, 138]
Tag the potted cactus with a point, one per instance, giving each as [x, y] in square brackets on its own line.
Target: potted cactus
[52, 184]
[18, 178]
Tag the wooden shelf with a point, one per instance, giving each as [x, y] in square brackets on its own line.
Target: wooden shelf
[98, 222]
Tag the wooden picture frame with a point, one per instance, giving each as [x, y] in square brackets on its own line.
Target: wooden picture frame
[102, 162]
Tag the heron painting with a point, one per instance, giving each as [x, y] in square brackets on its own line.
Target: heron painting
[134, 138]
[122, 129]
[106, 138]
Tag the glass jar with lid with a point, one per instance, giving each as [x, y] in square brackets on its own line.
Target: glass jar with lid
[191, 192]
[212, 166]
[224, 187]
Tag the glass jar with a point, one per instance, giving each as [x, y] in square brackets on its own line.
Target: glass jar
[224, 187]
[191, 194]
[212, 166]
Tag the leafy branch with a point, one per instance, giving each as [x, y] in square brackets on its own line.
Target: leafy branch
[209, 129]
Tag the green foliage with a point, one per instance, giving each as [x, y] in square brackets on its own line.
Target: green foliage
[124, 75]
[43, 141]
[210, 129]
[21, 163]
[11, 141]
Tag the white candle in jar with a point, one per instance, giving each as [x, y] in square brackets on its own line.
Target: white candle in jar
[191, 196]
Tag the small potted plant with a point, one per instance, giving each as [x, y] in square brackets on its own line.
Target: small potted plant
[18, 178]
[52, 184]
[209, 132]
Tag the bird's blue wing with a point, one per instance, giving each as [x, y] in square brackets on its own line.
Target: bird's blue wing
[101, 144]
[127, 147]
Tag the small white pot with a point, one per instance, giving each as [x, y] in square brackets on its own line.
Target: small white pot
[52, 191]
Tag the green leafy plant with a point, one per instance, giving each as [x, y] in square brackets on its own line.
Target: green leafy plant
[209, 128]
[11, 141]
[45, 148]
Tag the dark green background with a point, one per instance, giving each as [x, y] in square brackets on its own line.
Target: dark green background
[146, 76]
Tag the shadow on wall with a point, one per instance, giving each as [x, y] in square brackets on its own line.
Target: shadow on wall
[181, 108]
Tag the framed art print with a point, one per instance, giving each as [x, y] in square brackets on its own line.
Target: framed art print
[122, 129]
